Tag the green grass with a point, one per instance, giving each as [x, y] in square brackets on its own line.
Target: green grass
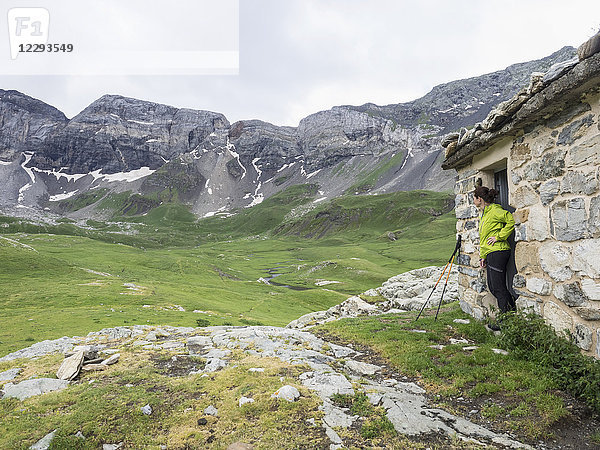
[105, 407]
[211, 265]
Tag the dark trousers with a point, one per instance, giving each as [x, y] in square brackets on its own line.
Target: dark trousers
[496, 279]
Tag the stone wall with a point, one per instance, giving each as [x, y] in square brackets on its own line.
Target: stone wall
[554, 184]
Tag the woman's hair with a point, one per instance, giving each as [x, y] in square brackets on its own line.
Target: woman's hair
[488, 195]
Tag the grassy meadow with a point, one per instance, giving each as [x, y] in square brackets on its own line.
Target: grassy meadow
[67, 279]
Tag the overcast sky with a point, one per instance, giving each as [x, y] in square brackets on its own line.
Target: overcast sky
[297, 57]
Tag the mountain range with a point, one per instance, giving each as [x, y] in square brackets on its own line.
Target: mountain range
[145, 154]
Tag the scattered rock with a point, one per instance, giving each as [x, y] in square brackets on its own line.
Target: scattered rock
[240, 446]
[211, 411]
[244, 400]
[405, 404]
[93, 361]
[411, 290]
[458, 341]
[70, 367]
[326, 282]
[499, 351]
[463, 321]
[362, 368]
[9, 374]
[289, 393]
[44, 443]
[112, 360]
[470, 349]
[214, 364]
[332, 435]
[80, 435]
[438, 346]
[112, 446]
[37, 386]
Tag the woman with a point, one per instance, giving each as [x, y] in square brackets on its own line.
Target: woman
[495, 226]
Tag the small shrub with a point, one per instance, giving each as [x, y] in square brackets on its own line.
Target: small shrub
[360, 405]
[203, 322]
[251, 322]
[373, 428]
[529, 337]
[342, 400]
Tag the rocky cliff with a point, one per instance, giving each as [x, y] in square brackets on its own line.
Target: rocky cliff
[197, 157]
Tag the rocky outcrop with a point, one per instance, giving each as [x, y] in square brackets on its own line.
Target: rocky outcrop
[409, 291]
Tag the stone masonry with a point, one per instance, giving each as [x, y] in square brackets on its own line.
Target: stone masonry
[550, 147]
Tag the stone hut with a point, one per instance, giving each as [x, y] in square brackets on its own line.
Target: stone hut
[541, 150]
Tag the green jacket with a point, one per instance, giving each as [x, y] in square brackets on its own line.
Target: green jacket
[497, 222]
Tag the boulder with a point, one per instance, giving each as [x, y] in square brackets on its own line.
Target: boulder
[71, 366]
[289, 393]
[211, 411]
[243, 400]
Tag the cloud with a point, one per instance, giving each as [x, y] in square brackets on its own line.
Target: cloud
[301, 56]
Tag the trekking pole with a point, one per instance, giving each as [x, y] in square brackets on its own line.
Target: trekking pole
[431, 293]
[456, 249]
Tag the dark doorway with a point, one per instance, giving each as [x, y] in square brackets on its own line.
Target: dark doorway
[501, 185]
